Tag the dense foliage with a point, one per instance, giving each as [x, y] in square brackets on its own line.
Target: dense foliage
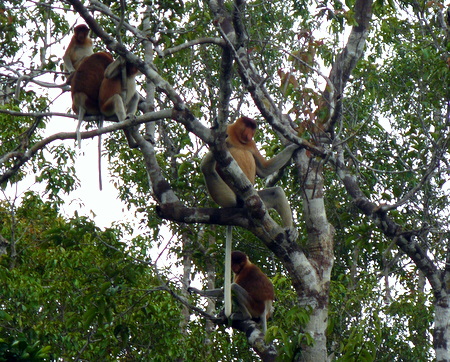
[70, 289]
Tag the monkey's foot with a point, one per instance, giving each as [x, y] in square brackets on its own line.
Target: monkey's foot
[130, 116]
[149, 138]
[239, 317]
[291, 233]
[191, 290]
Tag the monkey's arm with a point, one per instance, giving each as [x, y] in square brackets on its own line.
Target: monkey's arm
[217, 188]
[241, 297]
[265, 167]
[211, 293]
[113, 70]
[243, 300]
[68, 62]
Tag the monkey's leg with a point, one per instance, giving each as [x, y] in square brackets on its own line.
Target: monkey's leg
[275, 198]
[133, 104]
[131, 112]
[217, 188]
[243, 300]
[267, 311]
[116, 104]
[264, 322]
[81, 113]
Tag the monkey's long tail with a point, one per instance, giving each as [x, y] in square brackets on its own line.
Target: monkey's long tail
[227, 276]
[81, 114]
[99, 146]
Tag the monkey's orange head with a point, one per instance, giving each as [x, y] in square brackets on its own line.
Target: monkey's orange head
[238, 260]
[81, 32]
[244, 129]
[248, 122]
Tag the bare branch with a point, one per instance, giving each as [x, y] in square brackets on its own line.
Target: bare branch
[42, 114]
[98, 6]
[190, 44]
[347, 59]
[30, 78]
[255, 83]
[21, 157]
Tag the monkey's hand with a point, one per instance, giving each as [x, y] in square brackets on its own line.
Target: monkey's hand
[69, 78]
[191, 290]
[210, 293]
[130, 116]
[239, 316]
[291, 233]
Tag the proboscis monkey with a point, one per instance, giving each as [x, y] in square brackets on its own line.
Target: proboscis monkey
[253, 290]
[243, 148]
[85, 86]
[111, 102]
[80, 47]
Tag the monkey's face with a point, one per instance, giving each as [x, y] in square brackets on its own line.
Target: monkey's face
[237, 267]
[238, 261]
[245, 129]
[81, 37]
[246, 135]
[81, 32]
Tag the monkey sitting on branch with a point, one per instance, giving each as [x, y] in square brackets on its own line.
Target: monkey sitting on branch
[252, 291]
[243, 148]
[79, 48]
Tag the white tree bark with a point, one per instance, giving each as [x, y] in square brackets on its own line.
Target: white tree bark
[315, 290]
[441, 333]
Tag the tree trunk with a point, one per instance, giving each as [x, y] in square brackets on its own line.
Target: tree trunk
[320, 255]
[441, 335]
[149, 105]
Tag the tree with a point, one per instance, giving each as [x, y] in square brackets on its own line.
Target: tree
[76, 292]
[368, 275]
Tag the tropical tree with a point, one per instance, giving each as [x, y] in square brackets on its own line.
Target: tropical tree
[361, 87]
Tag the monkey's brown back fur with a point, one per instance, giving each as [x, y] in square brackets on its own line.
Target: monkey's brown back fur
[85, 85]
[254, 281]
